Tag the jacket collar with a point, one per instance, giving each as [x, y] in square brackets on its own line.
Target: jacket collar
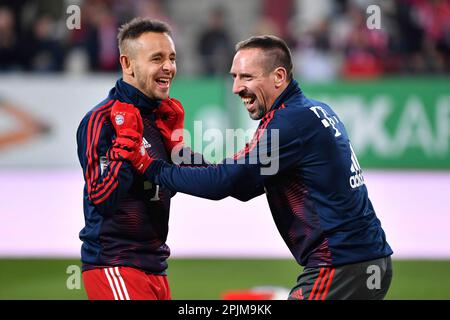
[292, 89]
[125, 92]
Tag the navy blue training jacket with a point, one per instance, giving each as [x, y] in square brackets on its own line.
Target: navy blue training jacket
[310, 175]
[126, 216]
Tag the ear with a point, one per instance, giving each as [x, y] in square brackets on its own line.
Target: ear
[127, 65]
[280, 76]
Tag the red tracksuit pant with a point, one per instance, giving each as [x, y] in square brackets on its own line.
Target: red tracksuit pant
[125, 283]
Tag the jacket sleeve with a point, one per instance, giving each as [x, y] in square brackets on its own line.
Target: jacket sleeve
[249, 193]
[275, 147]
[105, 181]
[187, 157]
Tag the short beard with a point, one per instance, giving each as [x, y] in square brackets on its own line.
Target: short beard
[141, 83]
[260, 112]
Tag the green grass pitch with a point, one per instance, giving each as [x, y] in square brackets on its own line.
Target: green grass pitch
[209, 278]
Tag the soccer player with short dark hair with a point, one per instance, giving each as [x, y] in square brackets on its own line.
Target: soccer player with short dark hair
[124, 249]
[309, 173]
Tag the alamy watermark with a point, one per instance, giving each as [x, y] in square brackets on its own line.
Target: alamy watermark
[374, 19]
[374, 280]
[262, 149]
[73, 21]
[73, 281]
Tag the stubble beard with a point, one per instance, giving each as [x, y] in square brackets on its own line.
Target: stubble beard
[260, 112]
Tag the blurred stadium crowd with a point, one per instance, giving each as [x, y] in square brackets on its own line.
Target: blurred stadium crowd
[330, 38]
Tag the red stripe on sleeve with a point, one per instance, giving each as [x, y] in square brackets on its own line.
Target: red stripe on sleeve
[93, 151]
[95, 190]
[107, 181]
[91, 130]
[110, 187]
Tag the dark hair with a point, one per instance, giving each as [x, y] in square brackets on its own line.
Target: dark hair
[133, 29]
[275, 48]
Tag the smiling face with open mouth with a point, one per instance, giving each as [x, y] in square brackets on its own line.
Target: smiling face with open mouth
[154, 64]
[252, 82]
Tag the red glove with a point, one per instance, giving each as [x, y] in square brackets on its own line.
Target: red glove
[170, 117]
[128, 146]
[127, 122]
[126, 116]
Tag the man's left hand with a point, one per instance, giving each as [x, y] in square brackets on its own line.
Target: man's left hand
[169, 118]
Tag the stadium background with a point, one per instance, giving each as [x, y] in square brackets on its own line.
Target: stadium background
[390, 86]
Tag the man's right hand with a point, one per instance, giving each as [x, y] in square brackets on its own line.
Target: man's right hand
[128, 146]
[170, 117]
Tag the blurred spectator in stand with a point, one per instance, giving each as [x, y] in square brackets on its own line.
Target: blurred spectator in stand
[16, 7]
[277, 16]
[153, 9]
[125, 10]
[434, 17]
[265, 25]
[411, 37]
[46, 50]
[442, 35]
[215, 45]
[98, 36]
[422, 36]
[8, 40]
[414, 36]
[364, 49]
[313, 55]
